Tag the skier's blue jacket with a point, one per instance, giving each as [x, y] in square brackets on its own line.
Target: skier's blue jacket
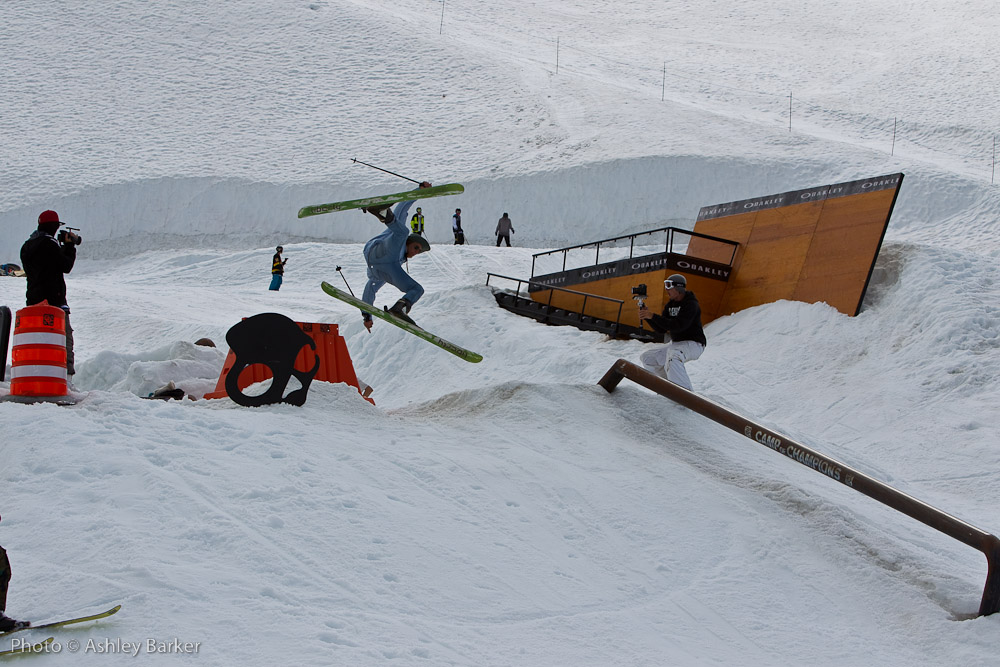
[385, 255]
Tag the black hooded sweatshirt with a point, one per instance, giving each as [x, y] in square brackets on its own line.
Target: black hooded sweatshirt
[45, 261]
[681, 319]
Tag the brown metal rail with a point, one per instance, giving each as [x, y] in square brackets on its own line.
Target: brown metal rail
[871, 487]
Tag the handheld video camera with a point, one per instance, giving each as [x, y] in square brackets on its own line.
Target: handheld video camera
[639, 294]
[66, 236]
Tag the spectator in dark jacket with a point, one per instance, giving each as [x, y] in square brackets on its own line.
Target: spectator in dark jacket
[46, 261]
[504, 229]
[681, 319]
[456, 226]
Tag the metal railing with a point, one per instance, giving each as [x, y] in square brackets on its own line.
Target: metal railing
[671, 232]
[966, 533]
[583, 308]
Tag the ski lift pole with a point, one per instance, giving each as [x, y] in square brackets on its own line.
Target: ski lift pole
[385, 170]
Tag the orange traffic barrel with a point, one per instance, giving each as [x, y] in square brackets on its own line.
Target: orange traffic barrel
[38, 354]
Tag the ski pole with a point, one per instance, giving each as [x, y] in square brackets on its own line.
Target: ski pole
[345, 282]
[385, 170]
[348, 286]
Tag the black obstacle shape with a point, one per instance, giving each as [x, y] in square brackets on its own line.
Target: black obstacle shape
[272, 340]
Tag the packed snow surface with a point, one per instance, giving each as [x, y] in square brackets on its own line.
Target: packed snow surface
[509, 512]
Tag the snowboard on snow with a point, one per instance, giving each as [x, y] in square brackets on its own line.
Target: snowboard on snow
[457, 350]
[419, 193]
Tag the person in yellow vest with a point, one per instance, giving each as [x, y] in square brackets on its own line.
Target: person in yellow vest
[417, 222]
[277, 269]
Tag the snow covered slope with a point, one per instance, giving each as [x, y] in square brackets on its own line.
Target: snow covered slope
[509, 512]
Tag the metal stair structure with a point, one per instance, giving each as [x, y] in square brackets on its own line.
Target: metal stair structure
[580, 285]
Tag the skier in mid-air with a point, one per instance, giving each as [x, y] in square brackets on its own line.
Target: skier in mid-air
[385, 255]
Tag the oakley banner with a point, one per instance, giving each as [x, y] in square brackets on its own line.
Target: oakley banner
[801, 196]
[670, 261]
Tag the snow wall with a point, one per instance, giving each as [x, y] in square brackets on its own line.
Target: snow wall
[548, 209]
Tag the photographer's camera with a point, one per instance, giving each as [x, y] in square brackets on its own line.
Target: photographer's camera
[639, 294]
[68, 236]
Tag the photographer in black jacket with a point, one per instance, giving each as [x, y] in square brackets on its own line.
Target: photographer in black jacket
[681, 319]
[45, 261]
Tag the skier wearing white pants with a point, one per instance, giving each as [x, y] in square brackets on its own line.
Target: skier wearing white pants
[681, 319]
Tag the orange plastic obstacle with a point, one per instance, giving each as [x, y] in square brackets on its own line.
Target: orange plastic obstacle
[38, 355]
[334, 361]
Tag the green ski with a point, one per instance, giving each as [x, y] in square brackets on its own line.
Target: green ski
[469, 356]
[33, 648]
[71, 621]
[419, 193]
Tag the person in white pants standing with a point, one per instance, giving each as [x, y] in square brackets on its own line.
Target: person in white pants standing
[681, 319]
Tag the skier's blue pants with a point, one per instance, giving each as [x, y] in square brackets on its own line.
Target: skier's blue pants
[380, 274]
[275, 282]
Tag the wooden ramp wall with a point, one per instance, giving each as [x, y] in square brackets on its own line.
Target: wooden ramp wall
[809, 245]
[812, 245]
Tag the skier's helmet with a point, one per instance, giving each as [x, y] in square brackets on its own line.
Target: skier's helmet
[676, 280]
